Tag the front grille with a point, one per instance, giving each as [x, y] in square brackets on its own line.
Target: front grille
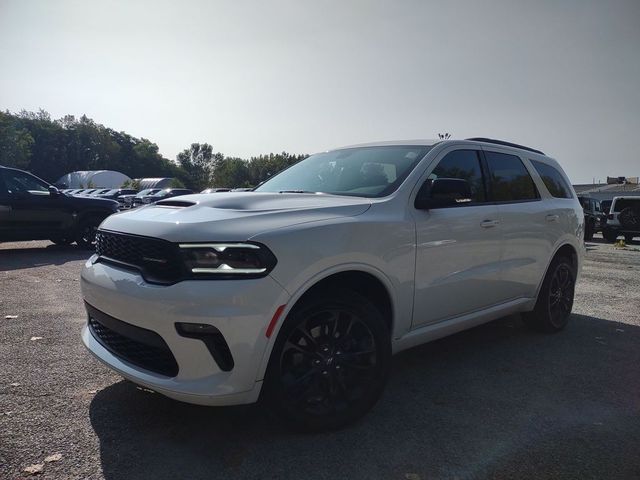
[158, 260]
[139, 346]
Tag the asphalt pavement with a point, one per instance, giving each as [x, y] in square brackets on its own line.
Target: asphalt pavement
[497, 401]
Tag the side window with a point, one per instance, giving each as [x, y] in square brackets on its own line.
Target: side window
[510, 180]
[462, 165]
[22, 183]
[552, 179]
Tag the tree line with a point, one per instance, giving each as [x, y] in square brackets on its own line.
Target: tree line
[50, 148]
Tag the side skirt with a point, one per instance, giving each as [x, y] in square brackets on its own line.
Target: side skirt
[434, 331]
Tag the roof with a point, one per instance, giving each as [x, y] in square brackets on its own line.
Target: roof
[423, 142]
[432, 142]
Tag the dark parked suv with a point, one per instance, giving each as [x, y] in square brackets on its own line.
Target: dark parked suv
[594, 219]
[31, 209]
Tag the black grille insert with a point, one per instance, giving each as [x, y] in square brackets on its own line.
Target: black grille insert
[158, 260]
[139, 346]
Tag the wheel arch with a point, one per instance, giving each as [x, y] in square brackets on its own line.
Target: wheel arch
[563, 250]
[368, 281]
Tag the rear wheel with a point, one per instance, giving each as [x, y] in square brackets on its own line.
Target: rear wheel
[610, 235]
[589, 230]
[330, 362]
[555, 299]
[628, 238]
[86, 235]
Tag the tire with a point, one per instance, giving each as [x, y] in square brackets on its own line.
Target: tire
[330, 362]
[62, 241]
[610, 235]
[86, 234]
[628, 238]
[589, 230]
[629, 218]
[555, 299]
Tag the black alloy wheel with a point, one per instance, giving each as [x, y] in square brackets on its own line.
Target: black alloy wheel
[86, 236]
[561, 293]
[330, 362]
[555, 299]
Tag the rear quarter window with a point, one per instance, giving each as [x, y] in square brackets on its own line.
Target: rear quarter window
[553, 180]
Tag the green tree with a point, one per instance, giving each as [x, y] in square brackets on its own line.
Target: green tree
[15, 143]
[198, 161]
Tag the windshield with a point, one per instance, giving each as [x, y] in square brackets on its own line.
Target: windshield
[359, 171]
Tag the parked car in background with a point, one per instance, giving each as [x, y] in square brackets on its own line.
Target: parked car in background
[131, 200]
[32, 209]
[99, 192]
[86, 192]
[594, 218]
[216, 190]
[116, 193]
[165, 193]
[303, 288]
[623, 219]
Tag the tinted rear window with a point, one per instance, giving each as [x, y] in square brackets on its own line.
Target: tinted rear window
[510, 180]
[623, 203]
[552, 179]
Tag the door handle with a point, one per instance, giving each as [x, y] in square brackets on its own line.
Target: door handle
[5, 208]
[489, 223]
[552, 218]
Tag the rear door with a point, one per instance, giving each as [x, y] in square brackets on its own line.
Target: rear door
[457, 247]
[528, 226]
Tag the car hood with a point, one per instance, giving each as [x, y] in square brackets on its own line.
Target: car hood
[231, 216]
[91, 202]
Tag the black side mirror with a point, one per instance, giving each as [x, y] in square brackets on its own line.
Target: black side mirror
[443, 192]
[53, 191]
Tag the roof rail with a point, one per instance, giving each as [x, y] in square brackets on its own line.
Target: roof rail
[506, 144]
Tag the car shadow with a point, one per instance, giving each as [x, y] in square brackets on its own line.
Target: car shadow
[29, 257]
[496, 401]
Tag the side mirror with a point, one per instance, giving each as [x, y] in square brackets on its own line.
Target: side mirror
[443, 192]
[53, 191]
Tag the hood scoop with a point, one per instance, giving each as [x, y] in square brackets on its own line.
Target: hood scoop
[175, 203]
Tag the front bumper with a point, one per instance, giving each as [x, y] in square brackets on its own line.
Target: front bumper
[239, 309]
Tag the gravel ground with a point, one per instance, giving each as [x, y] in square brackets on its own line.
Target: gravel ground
[493, 402]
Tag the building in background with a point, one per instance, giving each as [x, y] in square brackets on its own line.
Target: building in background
[155, 183]
[615, 187]
[93, 179]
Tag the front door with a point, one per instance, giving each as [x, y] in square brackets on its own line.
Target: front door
[458, 247]
[33, 212]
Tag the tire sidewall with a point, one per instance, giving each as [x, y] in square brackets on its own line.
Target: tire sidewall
[543, 317]
[358, 305]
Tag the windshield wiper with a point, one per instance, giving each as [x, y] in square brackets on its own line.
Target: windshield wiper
[296, 191]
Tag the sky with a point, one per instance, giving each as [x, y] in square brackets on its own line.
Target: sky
[253, 77]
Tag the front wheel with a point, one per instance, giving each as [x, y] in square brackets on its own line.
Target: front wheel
[62, 240]
[86, 235]
[555, 299]
[330, 362]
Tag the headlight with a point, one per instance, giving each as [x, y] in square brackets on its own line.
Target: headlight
[227, 260]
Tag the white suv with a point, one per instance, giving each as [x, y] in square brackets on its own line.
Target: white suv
[303, 288]
[623, 219]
